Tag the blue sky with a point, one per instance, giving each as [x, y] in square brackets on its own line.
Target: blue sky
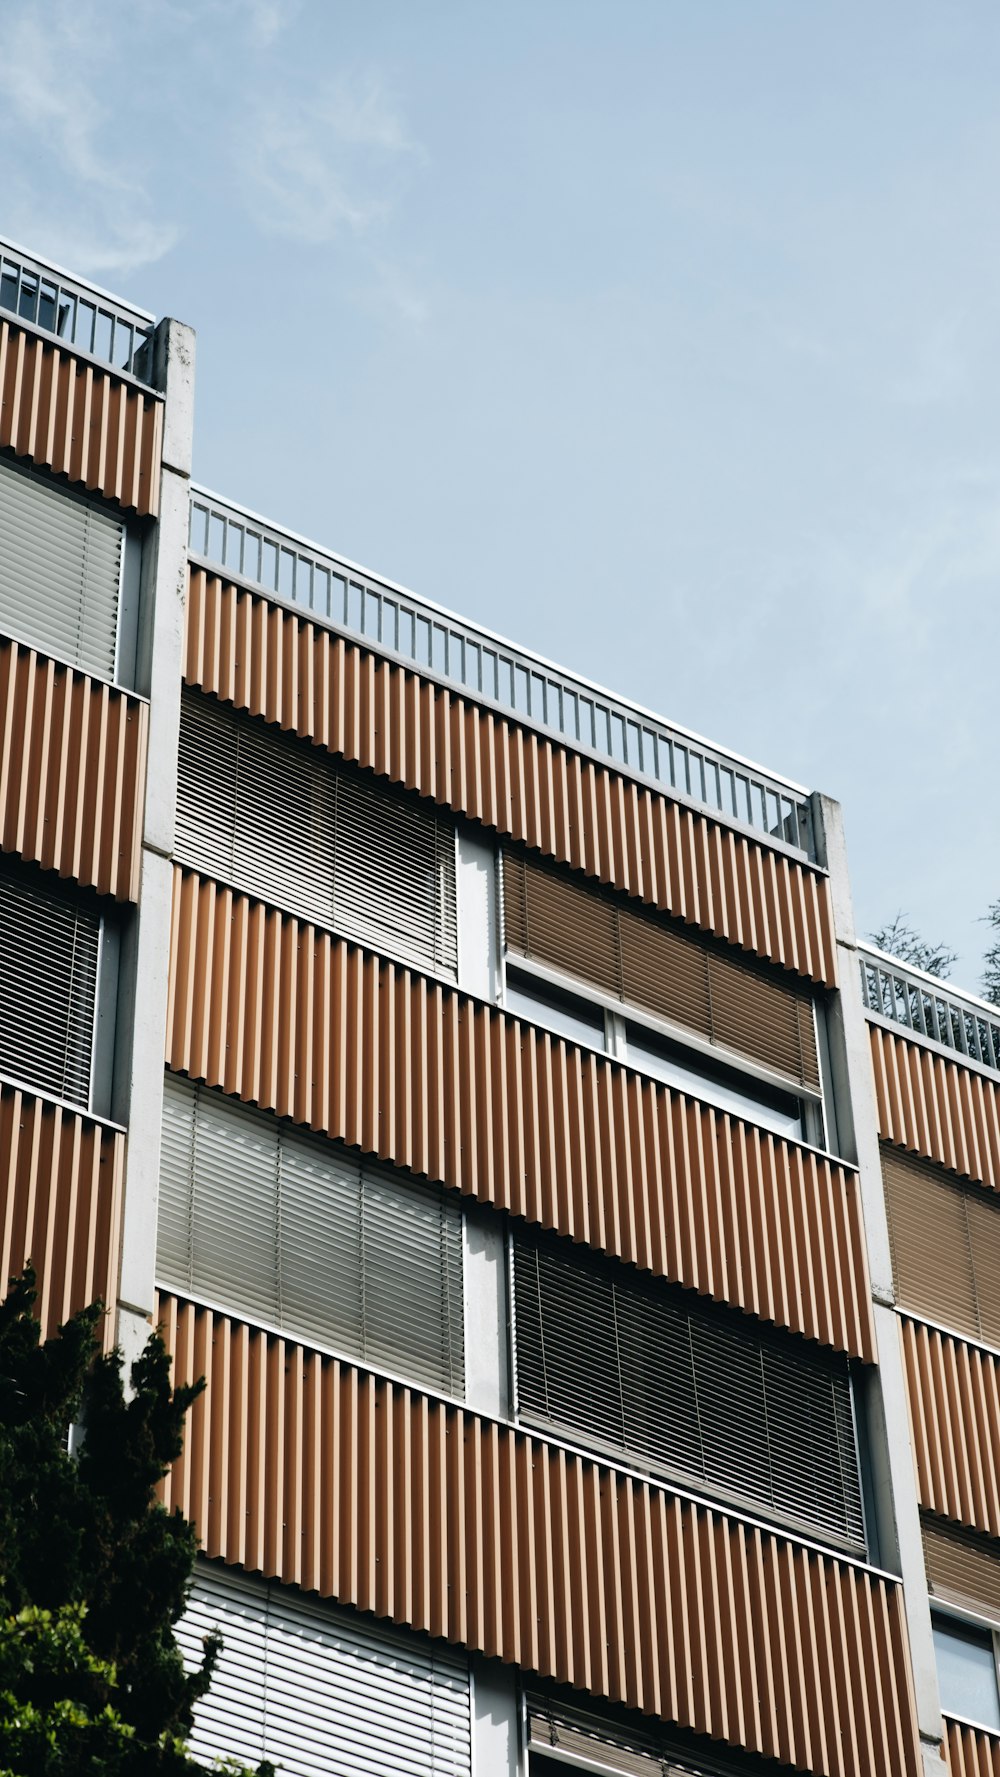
[661, 335]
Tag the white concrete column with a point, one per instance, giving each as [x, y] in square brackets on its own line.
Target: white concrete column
[496, 1721]
[487, 1359]
[478, 926]
[146, 950]
[894, 1490]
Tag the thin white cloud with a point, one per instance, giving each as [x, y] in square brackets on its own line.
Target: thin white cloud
[316, 166]
[51, 65]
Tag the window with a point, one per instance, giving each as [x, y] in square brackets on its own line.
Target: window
[562, 1739]
[61, 566]
[648, 961]
[50, 959]
[690, 1390]
[278, 819]
[689, 1070]
[967, 1671]
[321, 1691]
[739, 1093]
[945, 1241]
[301, 1234]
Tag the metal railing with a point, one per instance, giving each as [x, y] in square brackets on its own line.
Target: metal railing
[927, 1007]
[492, 670]
[81, 315]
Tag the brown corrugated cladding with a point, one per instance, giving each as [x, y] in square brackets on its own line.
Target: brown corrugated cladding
[72, 767]
[60, 1204]
[971, 1752]
[98, 429]
[936, 1107]
[309, 1470]
[310, 1026]
[954, 1393]
[267, 659]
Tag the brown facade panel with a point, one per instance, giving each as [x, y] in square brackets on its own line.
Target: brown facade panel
[66, 414]
[937, 1107]
[308, 1470]
[266, 659]
[971, 1752]
[954, 1395]
[314, 1028]
[60, 1204]
[72, 769]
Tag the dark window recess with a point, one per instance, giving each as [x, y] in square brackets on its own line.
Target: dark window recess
[688, 1390]
[945, 1241]
[300, 1233]
[648, 962]
[48, 991]
[279, 820]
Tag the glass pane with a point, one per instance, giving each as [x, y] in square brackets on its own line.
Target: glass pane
[967, 1672]
[729, 1093]
[561, 1012]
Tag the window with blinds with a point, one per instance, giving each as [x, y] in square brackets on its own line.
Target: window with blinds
[301, 1234]
[319, 1691]
[688, 1390]
[562, 1738]
[49, 952]
[644, 961]
[962, 1567]
[280, 820]
[60, 572]
[945, 1242]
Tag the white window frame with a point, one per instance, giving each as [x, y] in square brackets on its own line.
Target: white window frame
[617, 1015]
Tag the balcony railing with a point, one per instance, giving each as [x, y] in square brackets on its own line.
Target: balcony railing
[494, 671]
[924, 1005]
[81, 315]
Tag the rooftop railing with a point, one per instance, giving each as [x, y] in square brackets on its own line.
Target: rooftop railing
[924, 1005]
[81, 315]
[494, 671]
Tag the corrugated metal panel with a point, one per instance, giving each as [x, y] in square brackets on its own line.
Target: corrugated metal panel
[60, 1205]
[315, 1473]
[262, 657]
[310, 1026]
[749, 1416]
[280, 821]
[51, 943]
[962, 1568]
[83, 422]
[937, 1107]
[971, 1752]
[324, 1246]
[60, 572]
[644, 962]
[954, 1393]
[320, 1692]
[72, 769]
[945, 1240]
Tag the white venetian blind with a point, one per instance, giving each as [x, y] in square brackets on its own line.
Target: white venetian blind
[301, 1234]
[319, 1692]
[48, 985]
[60, 572]
[278, 819]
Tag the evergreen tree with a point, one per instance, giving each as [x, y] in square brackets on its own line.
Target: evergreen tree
[94, 1571]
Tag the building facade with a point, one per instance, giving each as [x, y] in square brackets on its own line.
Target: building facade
[592, 1250]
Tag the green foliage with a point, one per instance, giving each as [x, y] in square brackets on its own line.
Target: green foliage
[93, 1571]
[899, 939]
[991, 972]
